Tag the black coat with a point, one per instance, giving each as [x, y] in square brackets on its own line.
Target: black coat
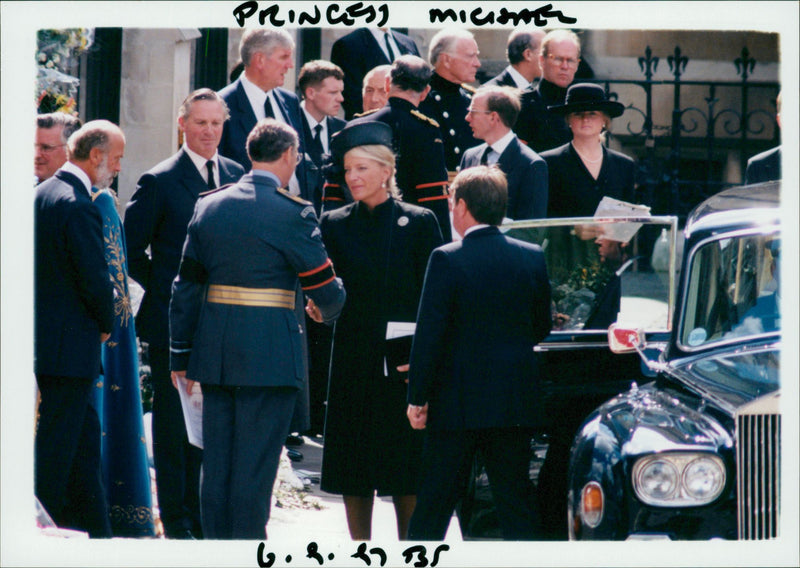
[573, 190]
[485, 304]
[539, 128]
[73, 295]
[357, 53]
[447, 104]
[313, 164]
[156, 217]
[417, 143]
[765, 166]
[526, 173]
[381, 258]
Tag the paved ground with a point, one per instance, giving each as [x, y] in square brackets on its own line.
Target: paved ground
[300, 520]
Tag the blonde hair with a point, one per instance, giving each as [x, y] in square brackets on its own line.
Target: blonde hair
[382, 155]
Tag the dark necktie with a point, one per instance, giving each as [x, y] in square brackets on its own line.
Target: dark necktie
[389, 49]
[485, 156]
[268, 109]
[315, 148]
[210, 168]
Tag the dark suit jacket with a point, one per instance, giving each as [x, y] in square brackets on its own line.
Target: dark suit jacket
[485, 304]
[314, 175]
[357, 53]
[156, 217]
[526, 173]
[243, 119]
[503, 79]
[250, 235]
[73, 294]
[765, 166]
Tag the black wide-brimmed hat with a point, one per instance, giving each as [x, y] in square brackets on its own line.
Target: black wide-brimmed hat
[360, 134]
[588, 96]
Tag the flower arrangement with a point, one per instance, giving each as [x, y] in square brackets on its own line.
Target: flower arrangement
[56, 58]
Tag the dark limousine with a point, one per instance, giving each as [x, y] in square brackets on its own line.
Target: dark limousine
[695, 453]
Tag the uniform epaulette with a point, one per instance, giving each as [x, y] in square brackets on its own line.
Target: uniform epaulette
[294, 198]
[469, 88]
[216, 189]
[424, 118]
[365, 113]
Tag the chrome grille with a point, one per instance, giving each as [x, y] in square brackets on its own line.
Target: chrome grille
[758, 464]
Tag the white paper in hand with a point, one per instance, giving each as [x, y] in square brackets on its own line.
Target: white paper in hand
[192, 405]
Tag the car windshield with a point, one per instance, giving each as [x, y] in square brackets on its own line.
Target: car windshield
[733, 290]
[602, 271]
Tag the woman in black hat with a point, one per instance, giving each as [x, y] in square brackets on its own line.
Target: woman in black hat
[582, 171]
[380, 248]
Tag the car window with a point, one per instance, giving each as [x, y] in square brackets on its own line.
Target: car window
[602, 271]
[733, 290]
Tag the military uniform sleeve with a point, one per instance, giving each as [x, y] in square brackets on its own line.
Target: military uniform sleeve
[140, 220]
[86, 253]
[186, 302]
[306, 253]
[434, 322]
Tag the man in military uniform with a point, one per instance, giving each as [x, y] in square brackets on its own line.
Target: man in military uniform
[417, 141]
[454, 56]
[234, 328]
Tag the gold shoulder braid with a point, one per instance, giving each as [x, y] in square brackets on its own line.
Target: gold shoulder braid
[365, 113]
[469, 88]
[423, 118]
[216, 189]
[295, 198]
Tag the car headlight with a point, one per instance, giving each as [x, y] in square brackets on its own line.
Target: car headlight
[678, 479]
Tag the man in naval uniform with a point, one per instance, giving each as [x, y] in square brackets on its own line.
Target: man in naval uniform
[417, 141]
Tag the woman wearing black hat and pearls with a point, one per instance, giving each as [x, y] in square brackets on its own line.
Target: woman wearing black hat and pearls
[380, 248]
[582, 171]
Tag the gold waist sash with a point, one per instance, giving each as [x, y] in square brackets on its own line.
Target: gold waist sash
[259, 297]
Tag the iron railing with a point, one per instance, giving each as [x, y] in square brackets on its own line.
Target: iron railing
[684, 153]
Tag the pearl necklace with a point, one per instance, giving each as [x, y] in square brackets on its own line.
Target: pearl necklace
[584, 158]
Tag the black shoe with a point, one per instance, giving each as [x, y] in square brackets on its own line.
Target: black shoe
[294, 440]
[294, 455]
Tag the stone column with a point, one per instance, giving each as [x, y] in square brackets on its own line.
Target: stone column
[156, 77]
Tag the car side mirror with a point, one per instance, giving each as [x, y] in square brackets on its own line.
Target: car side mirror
[625, 339]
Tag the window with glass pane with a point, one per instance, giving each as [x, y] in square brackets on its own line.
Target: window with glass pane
[733, 290]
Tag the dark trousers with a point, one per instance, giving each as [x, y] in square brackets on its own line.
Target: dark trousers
[446, 462]
[69, 481]
[176, 461]
[244, 429]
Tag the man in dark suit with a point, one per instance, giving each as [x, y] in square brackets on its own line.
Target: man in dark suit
[493, 112]
[473, 372]
[74, 316]
[156, 218]
[523, 59]
[559, 59]
[417, 140]
[765, 166]
[361, 50]
[454, 56]
[267, 55]
[321, 84]
[52, 132]
[247, 248]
